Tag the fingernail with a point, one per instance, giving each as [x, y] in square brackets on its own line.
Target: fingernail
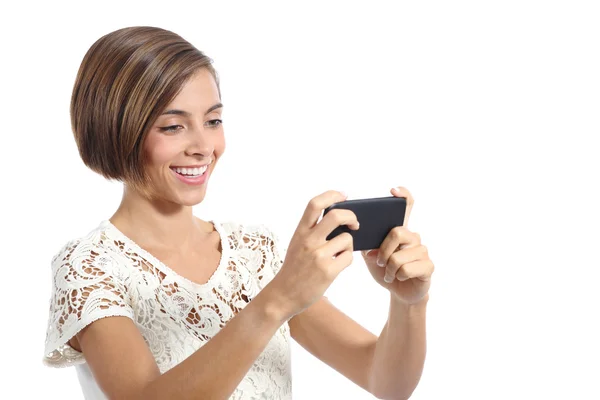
[368, 252]
[380, 262]
[388, 279]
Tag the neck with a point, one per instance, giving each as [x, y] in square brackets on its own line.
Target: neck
[156, 222]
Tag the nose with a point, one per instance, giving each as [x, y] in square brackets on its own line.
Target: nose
[199, 143]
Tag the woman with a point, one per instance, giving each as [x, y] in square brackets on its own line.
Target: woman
[157, 303]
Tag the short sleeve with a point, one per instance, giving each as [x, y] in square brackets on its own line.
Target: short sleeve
[85, 288]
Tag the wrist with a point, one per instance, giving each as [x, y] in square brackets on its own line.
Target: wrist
[274, 304]
[421, 303]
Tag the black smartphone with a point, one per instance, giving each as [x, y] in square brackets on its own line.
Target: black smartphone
[376, 216]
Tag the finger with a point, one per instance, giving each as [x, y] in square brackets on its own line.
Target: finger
[342, 261]
[402, 257]
[401, 191]
[398, 237]
[337, 245]
[369, 253]
[332, 220]
[316, 206]
[338, 253]
[420, 269]
[400, 275]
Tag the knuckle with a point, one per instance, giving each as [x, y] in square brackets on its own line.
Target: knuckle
[424, 250]
[396, 232]
[399, 272]
[336, 215]
[306, 245]
[417, 237]
[347, 238]
[319, 254]
[313, 204]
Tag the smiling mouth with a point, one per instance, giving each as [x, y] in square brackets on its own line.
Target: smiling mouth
[191, 172]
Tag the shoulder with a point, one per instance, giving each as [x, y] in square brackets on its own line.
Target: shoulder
[93, 251]
[87, 284]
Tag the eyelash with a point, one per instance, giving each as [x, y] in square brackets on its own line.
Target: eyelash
[172, 129]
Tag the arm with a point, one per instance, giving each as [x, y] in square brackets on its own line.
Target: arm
[336, 339]
[125, 369]
[399, 354]
[389, 367]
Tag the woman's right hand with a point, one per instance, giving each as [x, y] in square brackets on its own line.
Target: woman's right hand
[312, 262]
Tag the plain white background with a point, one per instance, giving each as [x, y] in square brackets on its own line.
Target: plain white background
[488, 112]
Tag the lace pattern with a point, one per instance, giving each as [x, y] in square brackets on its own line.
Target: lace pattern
[106, 274]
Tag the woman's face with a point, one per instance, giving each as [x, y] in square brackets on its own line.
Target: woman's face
[186, 141]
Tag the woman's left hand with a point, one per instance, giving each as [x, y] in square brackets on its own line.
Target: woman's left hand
[402, 263]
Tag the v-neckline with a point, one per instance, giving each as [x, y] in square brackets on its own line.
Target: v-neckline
[166, 269]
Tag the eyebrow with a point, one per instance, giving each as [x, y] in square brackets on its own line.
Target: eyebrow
[187, 114]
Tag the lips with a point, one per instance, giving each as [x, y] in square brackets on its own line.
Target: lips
[197, 179]
[187, 171]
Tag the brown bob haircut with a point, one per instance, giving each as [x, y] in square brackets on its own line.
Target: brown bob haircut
[126, 79]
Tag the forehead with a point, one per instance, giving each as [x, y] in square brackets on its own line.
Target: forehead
[199, 92]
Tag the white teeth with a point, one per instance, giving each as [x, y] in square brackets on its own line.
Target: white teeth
[191, 171]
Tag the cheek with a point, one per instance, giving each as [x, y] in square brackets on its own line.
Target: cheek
[159, 151]
[220, 145]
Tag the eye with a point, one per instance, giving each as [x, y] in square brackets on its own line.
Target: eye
[214, 123]
[172, 128]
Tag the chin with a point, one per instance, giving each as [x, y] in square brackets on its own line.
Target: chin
[191, 199]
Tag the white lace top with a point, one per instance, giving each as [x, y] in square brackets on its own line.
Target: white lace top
[106, 274]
